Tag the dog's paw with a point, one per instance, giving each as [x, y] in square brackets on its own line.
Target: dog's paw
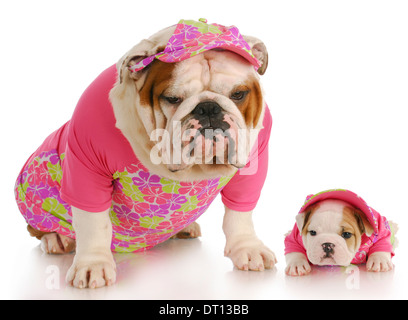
[92, 271]
[190, 232]
[249, 253]
[298, 267]
[379, 262]
[54, 243]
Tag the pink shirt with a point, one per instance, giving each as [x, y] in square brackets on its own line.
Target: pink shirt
[89, 164]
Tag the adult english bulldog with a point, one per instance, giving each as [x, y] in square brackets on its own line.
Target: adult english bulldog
[152, 141]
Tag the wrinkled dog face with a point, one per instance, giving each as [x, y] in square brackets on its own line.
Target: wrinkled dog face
[205, 111]
[331, 232]
[204, 101]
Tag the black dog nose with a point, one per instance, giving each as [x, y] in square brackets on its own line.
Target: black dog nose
[328, 247]
[207, 108]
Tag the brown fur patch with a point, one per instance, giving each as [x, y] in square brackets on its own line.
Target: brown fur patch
[352, 223]
[251, 107]
[308, 214]
[362, 221]
[36, 233]
[158, 79]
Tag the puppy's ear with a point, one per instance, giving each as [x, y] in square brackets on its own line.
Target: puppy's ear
[145, 48]
[303, 219]
[259, 51]
[300, 221]
[363, 223]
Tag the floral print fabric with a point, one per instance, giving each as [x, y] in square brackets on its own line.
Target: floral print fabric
[146, 209]
[194, 37]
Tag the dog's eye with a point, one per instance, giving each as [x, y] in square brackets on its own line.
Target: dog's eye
[173, 100]
[239, 95]
[313, 233]
[346, 235]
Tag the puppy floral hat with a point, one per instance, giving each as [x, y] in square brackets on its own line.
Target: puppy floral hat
[194, 37]
[344, 195]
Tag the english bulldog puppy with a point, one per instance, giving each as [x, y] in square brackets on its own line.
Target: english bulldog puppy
[337, 227]
[153, 140]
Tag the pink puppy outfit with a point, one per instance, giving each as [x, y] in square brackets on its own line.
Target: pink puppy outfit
[381, 240]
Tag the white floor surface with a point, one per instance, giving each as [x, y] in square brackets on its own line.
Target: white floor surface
[196, 269]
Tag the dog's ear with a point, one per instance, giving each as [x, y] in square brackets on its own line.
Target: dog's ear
[259, 51]
[303, 219]
[145, 48]
[300, 221]
[363, 223]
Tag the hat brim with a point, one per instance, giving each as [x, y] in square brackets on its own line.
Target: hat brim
[344, 195]
[187, 53]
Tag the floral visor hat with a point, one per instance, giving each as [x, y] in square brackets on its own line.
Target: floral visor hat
[194, 37]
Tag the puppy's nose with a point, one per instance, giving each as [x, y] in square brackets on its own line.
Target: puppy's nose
[328, 247]
[207, 108]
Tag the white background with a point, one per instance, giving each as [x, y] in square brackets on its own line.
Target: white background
[337, 87]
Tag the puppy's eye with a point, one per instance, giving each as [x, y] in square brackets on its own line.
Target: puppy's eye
[173, 100]
[239, 95]
[346, 235]
[313, 233]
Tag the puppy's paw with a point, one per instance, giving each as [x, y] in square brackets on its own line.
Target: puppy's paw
[379, 262]
[92, 271]
[249, 253]
[54, 243]
[297, 265]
